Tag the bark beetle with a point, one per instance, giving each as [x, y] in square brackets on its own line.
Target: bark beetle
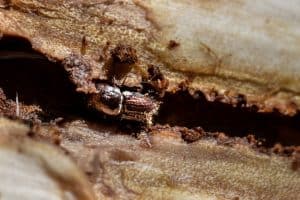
[93, 29]
[120, 42]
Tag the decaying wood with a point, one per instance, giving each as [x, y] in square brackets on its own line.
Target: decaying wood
[31, 169]
[224, 49]
[231, 51]
[168, 162]
[121, 167]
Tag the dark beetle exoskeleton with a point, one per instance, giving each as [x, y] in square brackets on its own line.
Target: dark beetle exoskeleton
[129, 105]
[109, 100]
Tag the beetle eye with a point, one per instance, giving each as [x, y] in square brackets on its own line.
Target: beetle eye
[109, 100]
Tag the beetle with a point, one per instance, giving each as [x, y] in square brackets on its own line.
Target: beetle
[107, 97]
[128, 105]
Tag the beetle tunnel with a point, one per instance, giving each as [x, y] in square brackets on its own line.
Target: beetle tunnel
[35, 79]
[38, 81]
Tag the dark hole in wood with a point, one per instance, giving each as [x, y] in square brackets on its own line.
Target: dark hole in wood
[182, 109]
[36, 79]
[39, 81]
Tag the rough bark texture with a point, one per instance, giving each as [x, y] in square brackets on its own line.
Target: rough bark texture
[224, 49]
[32, 169]
[171, 169]
[163, 166]
[236, 52]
